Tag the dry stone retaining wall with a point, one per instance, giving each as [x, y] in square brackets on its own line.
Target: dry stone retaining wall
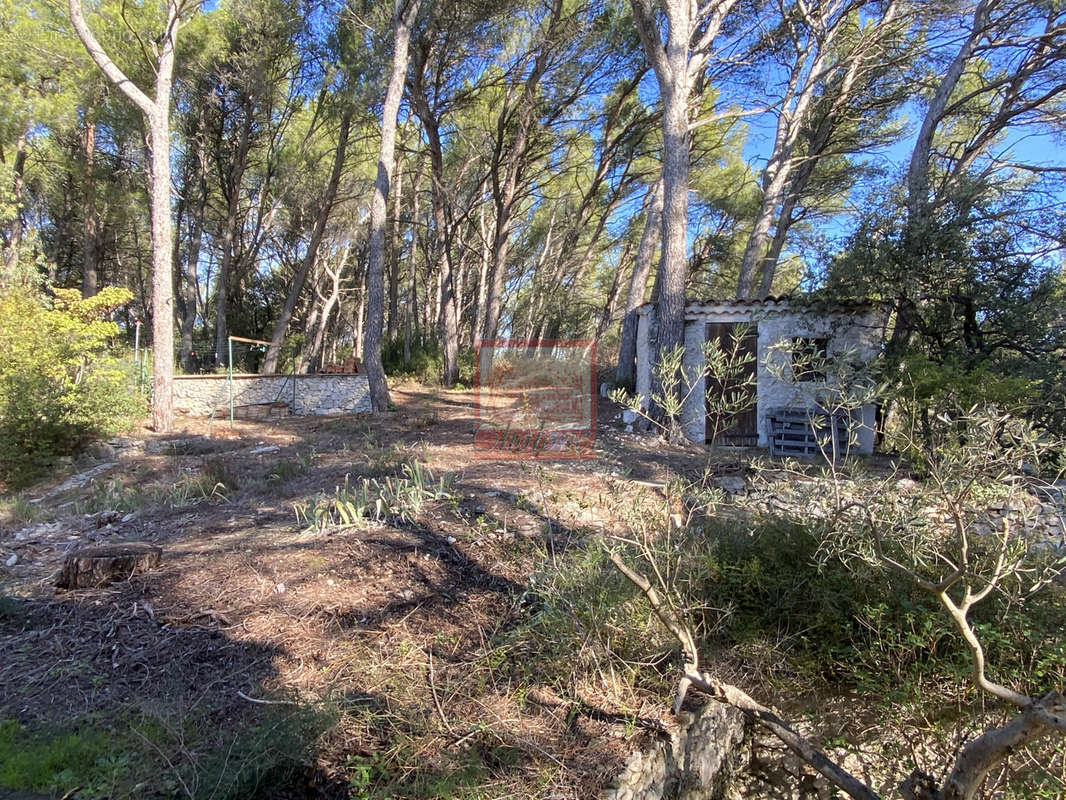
[204, 395]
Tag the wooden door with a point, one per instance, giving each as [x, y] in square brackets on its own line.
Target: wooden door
[741, 430]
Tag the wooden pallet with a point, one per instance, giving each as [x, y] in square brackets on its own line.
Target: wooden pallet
[807, 433]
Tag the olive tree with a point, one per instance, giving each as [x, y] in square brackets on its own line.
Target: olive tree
[964, 532]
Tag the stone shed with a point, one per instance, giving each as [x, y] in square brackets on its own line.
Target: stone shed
[778, 329]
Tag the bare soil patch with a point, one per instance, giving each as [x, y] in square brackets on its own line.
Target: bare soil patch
[394, 632]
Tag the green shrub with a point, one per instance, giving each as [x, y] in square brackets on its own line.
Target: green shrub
[766, 595]
[61, 383]
[263, 759]
[79, 758]
[165, 756]
[426, 363]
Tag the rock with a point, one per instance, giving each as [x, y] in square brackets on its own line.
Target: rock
[731, 484]
[629, 417]
[77, 481]
[101, 451]
[99, 566]
[12, 560]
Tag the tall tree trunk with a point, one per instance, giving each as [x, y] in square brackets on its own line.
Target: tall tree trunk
[402, 17]
[410, 309]
[638, 284]
[916, 229]
[612, 294]
[228, 266]
[505, 190]
[14, 242]
[327, 309]
[804, 80]
[225, 268]
[162, 269]
[360, 310]
[91, 245]
[306, 363]
[817, 138]
[691, 30]
[270, 361]
[671, 302]
[477, 319]
[394, 258]
[157, 114]
[191, 285]
[773, 255]
[918, 165]
[410, 319]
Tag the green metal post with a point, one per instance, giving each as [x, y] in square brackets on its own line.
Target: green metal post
[229, 366]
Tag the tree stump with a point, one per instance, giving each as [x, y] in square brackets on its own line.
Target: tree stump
[99, 566]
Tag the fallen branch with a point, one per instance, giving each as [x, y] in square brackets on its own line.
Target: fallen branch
[243, 696]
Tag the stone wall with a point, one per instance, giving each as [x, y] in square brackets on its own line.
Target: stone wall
[845, 334]
[204, 395]
[643, 387]
[699, 761]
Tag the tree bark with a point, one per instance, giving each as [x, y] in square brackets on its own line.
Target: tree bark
[327, 309]
[394, 258]
[191, 285]
[918, 171]
[402, 17]
[91, 224]
[691, 31]
[477, 318]
[638, 284]
[157, 115]
[612, 294]
[504, 190]
[162, 238]
[807, 76]
[918, 165]
[14, 242]
[270, 361]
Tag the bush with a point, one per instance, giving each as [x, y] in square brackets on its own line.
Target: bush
[426, 364]
[766, 595]
[61, 383]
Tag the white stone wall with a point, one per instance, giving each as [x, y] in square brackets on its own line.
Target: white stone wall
[845, 332]
[694, 409]
[202, 395]
[858, 335]
[643, 387]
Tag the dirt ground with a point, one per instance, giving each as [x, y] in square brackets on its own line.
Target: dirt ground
[393, 633]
